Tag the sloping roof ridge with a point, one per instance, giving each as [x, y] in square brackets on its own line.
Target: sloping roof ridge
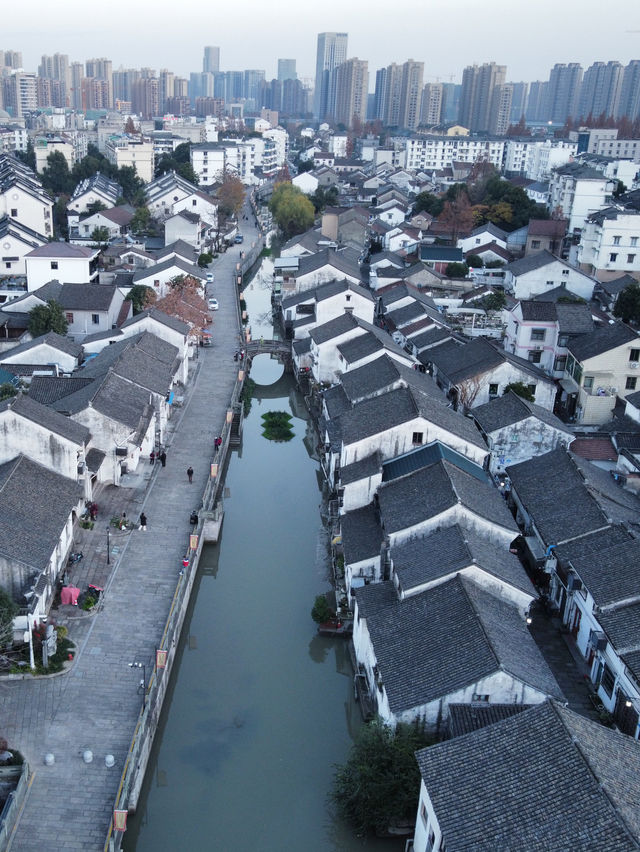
[463, 583]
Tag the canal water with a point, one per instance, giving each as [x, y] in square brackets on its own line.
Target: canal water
[260, 708]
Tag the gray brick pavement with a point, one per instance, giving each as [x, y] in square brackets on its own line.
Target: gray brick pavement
[96, 703]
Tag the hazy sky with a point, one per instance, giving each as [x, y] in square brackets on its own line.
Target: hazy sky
[445, 34]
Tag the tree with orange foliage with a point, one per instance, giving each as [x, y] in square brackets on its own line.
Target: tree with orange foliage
[185, 301]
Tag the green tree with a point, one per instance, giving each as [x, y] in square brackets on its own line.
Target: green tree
[7, 390]
[494, 301]
[379, 785]
[60, 221]
[95, 207]
[324, 196]
[100, 235]
[45, 318]
[141, 220]
[170, 164]
[321, 611]
[429, 203]
[28, 157]
[56, 177]
[304, 166]
[627, 306]
[205, 259]
[457, 270]
[141, 297]
[474, 261]
[8, 609]
[132, 185]
[521, 390]
[291, 209]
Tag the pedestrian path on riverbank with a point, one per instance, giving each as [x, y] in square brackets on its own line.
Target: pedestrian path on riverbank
[95, 705]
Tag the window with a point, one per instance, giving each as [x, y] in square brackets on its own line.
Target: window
[631, 383]
[613, 257]
[69, 317]
[480, 697]
[565, 272]
[417, 437]
[194, 202]
[535, 243]
[348, 297]
[95, 319]
[7, 265]
[431, 840]
[538, 333]
[634, 242]
[14, 212]
[532, 389]
[631, 258]
[156, 282]
[634, 355]
[608, 680]
[549, 283]
[54, 264]
[424, 814]
[588, 382]
[616, 241]
[493, 390]
[535, 355]
[560, 364]
[563, 339]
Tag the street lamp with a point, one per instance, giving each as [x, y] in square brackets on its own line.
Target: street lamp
[108, 548]
[143, 682]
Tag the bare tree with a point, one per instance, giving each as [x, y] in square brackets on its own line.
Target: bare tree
[469, 389]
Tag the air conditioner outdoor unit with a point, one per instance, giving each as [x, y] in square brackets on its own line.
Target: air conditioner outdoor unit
[574, 584]
[633, 365]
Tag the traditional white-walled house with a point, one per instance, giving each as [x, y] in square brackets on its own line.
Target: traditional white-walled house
[477, 372]
[442, 494]
[601, 366]
[48, 349]
[94, 189]
[325, 265]
[188, 227]
[596, 582]
[452, 643]
[305, 310]
[16, 241]
[158, 276]
[541, 272]
[482, 236]
[47, 437]
[92, 308]
[474, 795]
[516, 430]
[34, 497]
[61, 262]
[116, 220]
[165, 191]
[306, 182]
[161, 325]
[23, 198]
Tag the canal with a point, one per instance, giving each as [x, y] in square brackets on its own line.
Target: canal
[260, 708]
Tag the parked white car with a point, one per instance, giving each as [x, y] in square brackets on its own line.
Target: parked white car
[213, 304]
[210, 277]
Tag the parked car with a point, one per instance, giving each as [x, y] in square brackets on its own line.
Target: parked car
[238, 238]
[213, 304]
[210, 277]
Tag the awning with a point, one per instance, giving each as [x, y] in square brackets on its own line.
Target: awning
[569, 386]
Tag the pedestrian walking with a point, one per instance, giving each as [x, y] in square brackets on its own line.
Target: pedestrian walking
[190, 473]
[123, 521]
[193, 520]
[218, 443]
[143, 522]
[152, 457]
[163, 458]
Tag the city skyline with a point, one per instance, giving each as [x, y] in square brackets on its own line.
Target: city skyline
[425, 34]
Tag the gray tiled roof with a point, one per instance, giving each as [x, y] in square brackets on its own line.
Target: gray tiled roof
[451, 549]
[344, 260]
[333, 328]
[360, 347]
[465, 718]
[574, 318]
[488, 787]
[607, 563]
[447, 638]
[87, 297]
[547, 482]
[49, 389]
[144, 359]
[325, 291]
[361, 534]
[384, 373]
[620, 505]
[183, 265]
[30, 409]
[56, 341]
[531, 262]
[509, 409]
[538, 311]
[368, 466]
[459, 362]
[430, 491]
[602, 340]
[35, 504]
[159, 316]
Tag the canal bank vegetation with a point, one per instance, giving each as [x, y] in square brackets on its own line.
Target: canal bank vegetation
[377, 789]
[247, 395]
[276, 426]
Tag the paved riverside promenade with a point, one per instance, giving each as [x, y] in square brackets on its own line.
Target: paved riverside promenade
[95, 704]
